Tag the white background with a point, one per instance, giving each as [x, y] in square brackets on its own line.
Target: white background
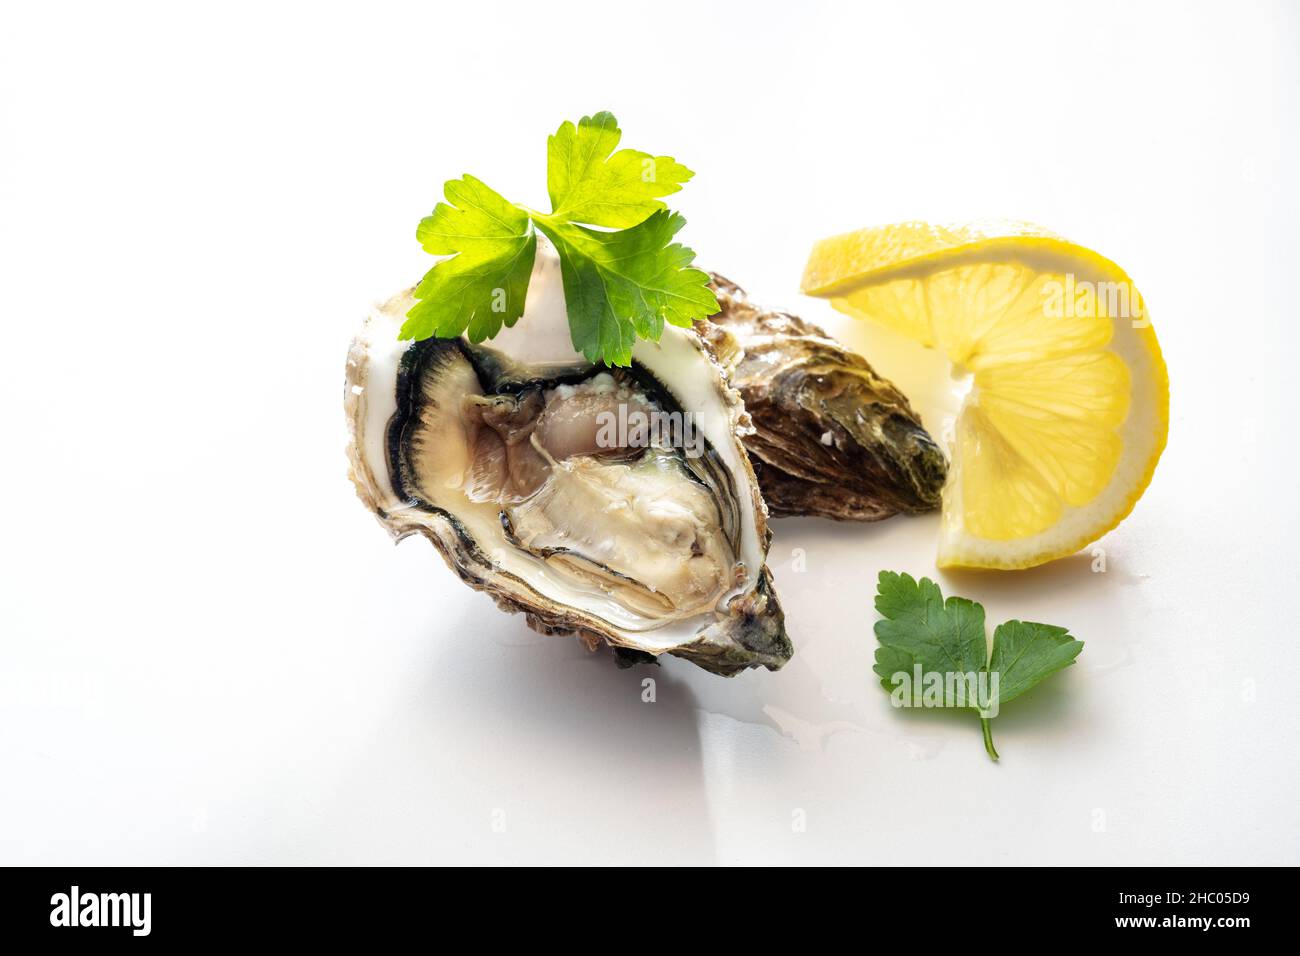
[211, 653]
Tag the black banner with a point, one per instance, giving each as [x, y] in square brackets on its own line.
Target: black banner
[967, 906]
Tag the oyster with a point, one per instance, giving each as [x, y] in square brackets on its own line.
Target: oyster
[542, 480]
[831, 437]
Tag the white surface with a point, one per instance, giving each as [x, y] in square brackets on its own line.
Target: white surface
[209, 652]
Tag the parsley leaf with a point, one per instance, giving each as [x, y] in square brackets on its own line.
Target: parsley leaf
[624, 276]
[626, 282]
[933, 652]
[920, 627]
[588, 184]
[1024, 653]
[483, 285]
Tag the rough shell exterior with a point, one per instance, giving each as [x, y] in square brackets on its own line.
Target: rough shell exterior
[829, 436]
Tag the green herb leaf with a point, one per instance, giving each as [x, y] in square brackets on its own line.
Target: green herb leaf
[1025, 653]
[934, 652]
[485, 283]
[618, 284]
[920, 627]
[589, 185]
[626, 283]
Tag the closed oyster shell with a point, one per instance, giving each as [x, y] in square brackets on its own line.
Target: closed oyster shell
[831, 437]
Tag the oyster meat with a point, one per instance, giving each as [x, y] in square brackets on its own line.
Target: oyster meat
[831, 437]
[548, 483]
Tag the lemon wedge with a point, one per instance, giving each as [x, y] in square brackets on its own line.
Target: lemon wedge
[1068, 407]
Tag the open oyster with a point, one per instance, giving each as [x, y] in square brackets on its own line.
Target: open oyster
[831, 437]
[618, 505]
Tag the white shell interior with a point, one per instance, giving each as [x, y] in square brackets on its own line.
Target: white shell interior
[541, 337]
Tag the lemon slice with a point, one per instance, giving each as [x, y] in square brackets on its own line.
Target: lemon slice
[1068, 408]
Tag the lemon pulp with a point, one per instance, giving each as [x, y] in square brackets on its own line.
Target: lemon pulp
[1067, 410]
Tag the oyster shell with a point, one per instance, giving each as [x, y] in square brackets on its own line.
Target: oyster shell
[831, 437]
[494, 454]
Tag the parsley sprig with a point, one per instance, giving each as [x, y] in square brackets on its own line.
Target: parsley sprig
[623, 274]
[926, 639]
